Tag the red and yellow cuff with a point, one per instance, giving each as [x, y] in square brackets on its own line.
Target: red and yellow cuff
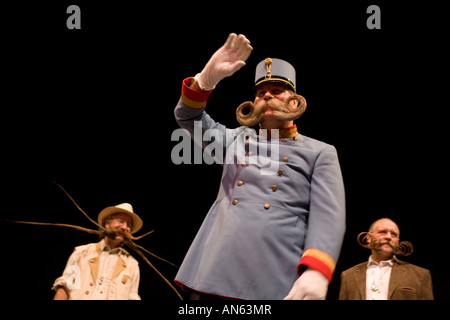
[318, 260]
[193, 98]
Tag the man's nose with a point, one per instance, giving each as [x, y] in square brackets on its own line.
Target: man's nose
[268, 95]
[388, 236]
[123, 225]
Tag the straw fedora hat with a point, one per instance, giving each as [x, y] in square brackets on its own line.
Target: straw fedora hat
[121, 208]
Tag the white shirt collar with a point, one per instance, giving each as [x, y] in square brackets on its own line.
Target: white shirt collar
[383, 263]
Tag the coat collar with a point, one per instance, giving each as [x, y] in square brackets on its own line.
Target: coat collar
[289, 132]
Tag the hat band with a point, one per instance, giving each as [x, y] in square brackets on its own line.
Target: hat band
[275, 79]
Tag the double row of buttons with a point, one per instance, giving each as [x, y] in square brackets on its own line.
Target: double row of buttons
[274, 187]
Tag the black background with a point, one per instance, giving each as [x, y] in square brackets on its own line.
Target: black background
[92, 109]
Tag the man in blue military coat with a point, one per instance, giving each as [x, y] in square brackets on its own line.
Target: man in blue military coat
[276, 228]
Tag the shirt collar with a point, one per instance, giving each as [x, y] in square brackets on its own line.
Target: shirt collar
[106, 248]
[383, 263]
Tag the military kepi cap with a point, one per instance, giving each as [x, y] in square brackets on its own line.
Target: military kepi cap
[275, 70]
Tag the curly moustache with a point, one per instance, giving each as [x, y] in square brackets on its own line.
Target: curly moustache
[404, 248]
[250, 114]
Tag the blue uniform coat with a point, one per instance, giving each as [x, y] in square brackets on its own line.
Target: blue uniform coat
[271, 207]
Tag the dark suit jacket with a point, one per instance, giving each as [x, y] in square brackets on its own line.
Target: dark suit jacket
[407, 282]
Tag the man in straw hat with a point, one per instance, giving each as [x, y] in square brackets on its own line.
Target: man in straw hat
[103, 270]
[275, 231]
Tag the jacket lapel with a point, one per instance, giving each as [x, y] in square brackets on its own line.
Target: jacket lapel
[360, 278]
[120, 266]
[95, 262]
[397, 274]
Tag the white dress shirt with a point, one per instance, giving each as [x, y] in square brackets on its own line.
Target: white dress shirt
[377, 279]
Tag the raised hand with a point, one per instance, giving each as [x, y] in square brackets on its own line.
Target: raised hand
[224, 62]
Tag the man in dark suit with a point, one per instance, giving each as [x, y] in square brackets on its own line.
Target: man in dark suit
[384, 277]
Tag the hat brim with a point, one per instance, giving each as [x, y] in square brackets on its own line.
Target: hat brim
[274, 79]
[137, 221]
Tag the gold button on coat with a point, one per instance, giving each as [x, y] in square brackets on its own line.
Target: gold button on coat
[274, 187]
[266, 205]
[235, 202]
[280, 172]
[285, 159]
[240, 183]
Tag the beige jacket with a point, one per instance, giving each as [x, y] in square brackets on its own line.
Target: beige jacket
[80, 275]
